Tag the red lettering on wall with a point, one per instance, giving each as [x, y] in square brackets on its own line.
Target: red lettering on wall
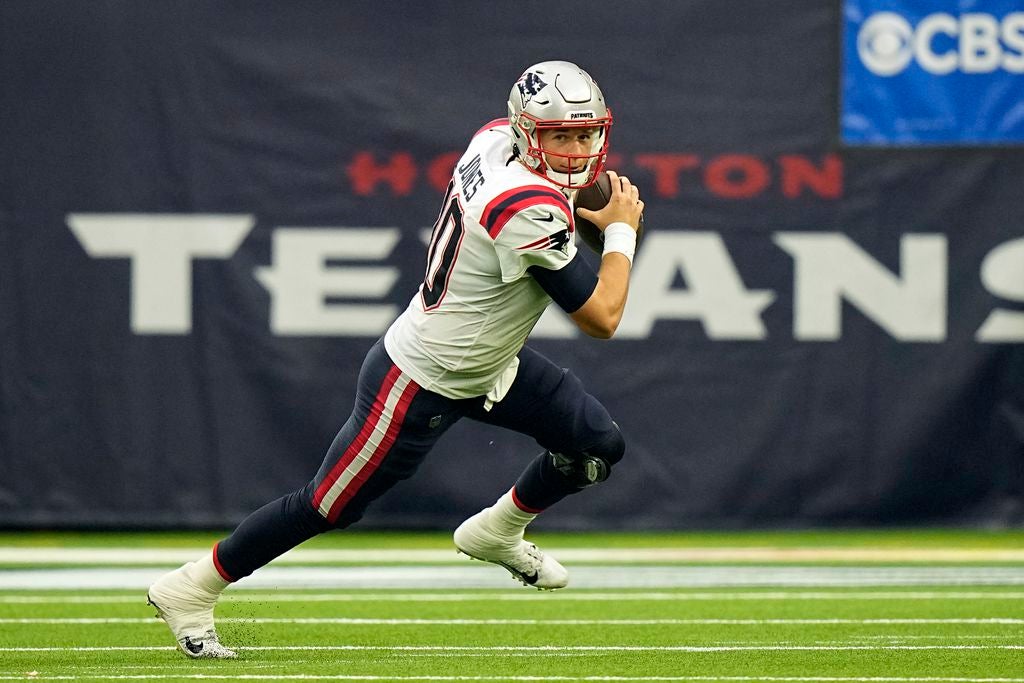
[736, 176]
[800, 173]
[727, 176]
[666, 168]
[439, 170]
[365, 173]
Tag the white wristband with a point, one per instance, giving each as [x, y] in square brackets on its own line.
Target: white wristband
[620, 237]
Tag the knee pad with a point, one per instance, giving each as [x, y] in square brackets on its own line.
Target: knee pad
[594, 465]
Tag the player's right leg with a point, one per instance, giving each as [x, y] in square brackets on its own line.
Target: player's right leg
[394, 423]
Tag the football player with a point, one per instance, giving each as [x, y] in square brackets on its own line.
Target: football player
[502, 250]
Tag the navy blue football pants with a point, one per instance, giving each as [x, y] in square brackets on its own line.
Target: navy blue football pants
[395, 423]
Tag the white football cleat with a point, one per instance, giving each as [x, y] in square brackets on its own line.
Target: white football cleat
[522, 559]
[188, 611]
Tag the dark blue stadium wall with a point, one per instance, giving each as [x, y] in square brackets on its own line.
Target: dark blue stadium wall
[210, 210]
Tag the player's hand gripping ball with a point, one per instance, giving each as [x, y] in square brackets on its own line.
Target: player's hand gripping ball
[595, 197]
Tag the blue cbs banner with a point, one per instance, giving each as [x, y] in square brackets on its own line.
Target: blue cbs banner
[932, 72]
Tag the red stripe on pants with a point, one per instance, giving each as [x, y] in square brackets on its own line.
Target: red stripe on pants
[378, 455]
[376, 411]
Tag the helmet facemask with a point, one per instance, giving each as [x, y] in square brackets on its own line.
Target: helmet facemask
[545, 162]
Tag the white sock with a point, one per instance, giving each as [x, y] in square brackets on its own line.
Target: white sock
[205, 575]
[508, 519]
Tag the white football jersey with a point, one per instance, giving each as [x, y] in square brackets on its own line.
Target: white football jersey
[461, 332]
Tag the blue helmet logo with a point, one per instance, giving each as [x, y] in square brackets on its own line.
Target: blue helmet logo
[529, 85]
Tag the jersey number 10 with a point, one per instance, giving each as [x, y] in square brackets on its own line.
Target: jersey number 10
[444, 245]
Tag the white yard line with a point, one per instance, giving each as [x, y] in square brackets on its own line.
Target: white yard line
[521, 595]
[523, 622]
[153, 556]
[539, 679]
[471, 575]
[449, 650]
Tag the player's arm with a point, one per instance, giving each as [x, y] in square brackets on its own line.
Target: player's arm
[595, 302]
[583, 294]
[599, 316]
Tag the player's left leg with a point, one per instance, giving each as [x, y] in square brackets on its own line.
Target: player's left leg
[581, 444]
[393, 425]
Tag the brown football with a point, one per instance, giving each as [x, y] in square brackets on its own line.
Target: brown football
[595, 197]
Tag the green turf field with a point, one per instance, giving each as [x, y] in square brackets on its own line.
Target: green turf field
[844, 606]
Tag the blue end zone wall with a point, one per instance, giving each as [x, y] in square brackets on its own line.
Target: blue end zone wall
[209, 211]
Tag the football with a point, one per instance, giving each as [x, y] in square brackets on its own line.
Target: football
[595, 197]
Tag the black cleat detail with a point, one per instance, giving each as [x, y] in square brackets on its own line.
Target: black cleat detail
[194, 648]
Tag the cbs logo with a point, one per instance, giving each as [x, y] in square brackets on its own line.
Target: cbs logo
[940, 43]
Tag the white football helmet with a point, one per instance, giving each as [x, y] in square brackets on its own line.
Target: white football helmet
[558, 95]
